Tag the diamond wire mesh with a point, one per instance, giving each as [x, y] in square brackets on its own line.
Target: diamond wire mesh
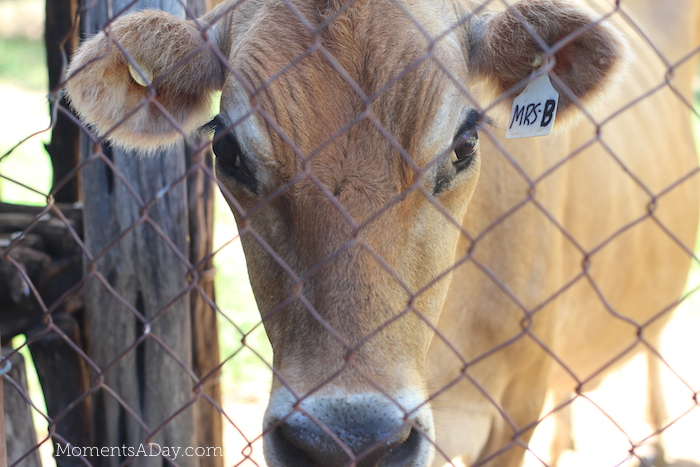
[530, 200]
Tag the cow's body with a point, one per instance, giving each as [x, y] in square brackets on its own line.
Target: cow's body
[639, 273]
[350, 205]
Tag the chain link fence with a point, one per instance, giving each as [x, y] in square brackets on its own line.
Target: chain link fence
[434, 292]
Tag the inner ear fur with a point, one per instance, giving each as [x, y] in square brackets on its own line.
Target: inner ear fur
[502, 48]
[180, 69]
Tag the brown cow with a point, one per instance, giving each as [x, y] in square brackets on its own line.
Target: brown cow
[348, 139]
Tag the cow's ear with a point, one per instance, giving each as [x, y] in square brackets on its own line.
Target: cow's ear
[146, 81]
[507, 46]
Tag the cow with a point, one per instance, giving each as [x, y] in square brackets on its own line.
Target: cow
[423, 280]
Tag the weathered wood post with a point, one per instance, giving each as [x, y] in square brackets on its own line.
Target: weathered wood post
[138, 298]
[61, 40]
[205, 343]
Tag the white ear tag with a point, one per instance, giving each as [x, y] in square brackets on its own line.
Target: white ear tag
[534, 110]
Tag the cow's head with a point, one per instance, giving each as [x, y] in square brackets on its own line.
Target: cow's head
[347, 141]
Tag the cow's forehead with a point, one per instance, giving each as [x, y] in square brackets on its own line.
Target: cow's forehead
[373, 80]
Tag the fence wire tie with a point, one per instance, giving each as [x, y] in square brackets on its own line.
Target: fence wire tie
[5, 369]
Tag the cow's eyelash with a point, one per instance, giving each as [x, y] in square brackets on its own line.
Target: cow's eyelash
[212, 127]
[475, 121]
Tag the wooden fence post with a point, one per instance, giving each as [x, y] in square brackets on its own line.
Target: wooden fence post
[139, 273]
[205, 342]
[64, 147]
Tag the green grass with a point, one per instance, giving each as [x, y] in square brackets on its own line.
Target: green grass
[25, 173]
[23, 64]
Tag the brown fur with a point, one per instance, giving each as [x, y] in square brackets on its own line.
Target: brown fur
[355, 261]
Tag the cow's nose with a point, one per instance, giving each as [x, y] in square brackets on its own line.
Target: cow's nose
[344, 434]
[376, 443]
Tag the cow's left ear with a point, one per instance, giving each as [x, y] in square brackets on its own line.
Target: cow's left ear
[587, 51]
[146, 81]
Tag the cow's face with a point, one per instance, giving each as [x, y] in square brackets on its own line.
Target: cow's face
[348, 154]
[352, 205]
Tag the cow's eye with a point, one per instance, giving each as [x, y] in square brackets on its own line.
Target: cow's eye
[466, 142]
[231, 161]
[466, 146]
[228, 153]
[464, 149]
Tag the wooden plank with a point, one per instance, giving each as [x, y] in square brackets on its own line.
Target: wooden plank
[48, 255]
[72, 211]
[57, 239]
[205, 342]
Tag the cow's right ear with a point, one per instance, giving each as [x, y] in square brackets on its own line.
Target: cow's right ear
[146, 81]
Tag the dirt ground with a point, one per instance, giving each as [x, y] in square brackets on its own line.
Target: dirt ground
[243, 426]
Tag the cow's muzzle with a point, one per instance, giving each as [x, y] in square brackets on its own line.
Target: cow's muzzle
[365, 430]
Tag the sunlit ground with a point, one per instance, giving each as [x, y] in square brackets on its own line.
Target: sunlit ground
[622, 398]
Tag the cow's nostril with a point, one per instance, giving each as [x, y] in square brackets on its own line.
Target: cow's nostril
[404, 452]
